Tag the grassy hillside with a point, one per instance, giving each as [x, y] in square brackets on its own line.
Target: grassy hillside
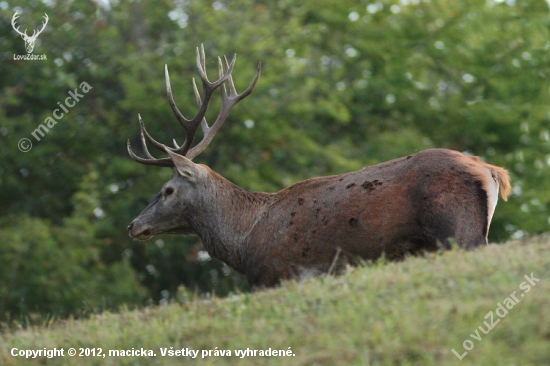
[409, 313]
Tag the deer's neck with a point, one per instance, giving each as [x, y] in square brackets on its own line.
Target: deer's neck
[226, 216]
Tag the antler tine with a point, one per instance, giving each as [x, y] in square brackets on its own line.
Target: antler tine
[198, 100]
[154, 142]
[208, 86]
[197, 95]
[144, 147]
[201, 66]
[232, 90]
[158, 162]
[204, 124]
[36, 32]
[143, 133]
[201, 62]
[190, 125]
[44, 24]
[252, 85]
[247, 91]
[13, 19]
[151, 160]
[228, 102]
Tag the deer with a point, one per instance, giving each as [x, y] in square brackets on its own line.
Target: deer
[424, 202]
[29, 41]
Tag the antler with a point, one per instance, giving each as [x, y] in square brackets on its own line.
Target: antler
[228, 102]
[191, 125]
[208, 88]
[13, 19]
[36, 33]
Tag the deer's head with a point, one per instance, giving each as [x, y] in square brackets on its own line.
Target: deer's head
[29, 40]
[168, 212]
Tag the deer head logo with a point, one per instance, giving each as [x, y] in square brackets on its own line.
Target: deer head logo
[29, 41]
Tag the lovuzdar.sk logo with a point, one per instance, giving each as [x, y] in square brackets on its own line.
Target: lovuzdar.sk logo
[29, 40]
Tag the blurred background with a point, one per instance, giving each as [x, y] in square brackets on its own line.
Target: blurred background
[344, 84]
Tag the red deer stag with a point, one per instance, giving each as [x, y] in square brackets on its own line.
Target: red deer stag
[408, 205]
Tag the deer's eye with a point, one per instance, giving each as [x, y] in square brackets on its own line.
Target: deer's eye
[168, 191]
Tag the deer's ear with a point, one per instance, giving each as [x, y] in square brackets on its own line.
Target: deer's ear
[186, 168]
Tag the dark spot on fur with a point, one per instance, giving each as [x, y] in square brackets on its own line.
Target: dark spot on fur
[408, 157]
[368, 186]
[317, 212]
[377, 182]
[341, 179]
[292, 214]
[350, 185]
[331, 188]
[427, 175]
[290, 223]
[305, 250]
[353, 222]
[301, 201]
[324, 220]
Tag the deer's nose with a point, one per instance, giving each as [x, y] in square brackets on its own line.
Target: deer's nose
[140, 233]
[130, 229]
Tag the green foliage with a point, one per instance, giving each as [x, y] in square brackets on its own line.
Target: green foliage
[344, 84]
[408, 313]
[57, 270]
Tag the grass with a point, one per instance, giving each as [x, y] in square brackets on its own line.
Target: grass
[407, 313]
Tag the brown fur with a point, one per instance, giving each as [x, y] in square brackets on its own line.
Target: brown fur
[404, 206]
[478, 167]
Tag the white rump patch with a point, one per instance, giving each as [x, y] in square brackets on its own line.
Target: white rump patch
[492, 198]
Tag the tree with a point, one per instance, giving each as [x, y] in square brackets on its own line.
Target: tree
[344, 84]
